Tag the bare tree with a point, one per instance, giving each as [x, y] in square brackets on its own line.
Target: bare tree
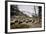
[35, 10]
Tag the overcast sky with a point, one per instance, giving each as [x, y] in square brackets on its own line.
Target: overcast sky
[28, 9]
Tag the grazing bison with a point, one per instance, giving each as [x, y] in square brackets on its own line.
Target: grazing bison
[16, 21]
[30, 20]
[33, 21]
[20, 22]
[12, 23]
[26, 21]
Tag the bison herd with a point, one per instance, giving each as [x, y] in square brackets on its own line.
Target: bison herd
[22, 21]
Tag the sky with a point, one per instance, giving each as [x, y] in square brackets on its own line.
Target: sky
[28, 9]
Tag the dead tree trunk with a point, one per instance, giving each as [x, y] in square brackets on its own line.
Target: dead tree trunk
[35, 10]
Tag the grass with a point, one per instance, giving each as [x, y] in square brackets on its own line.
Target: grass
[16, 26]
[19, 26]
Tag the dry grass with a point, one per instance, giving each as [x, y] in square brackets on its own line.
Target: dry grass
[35, 24]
